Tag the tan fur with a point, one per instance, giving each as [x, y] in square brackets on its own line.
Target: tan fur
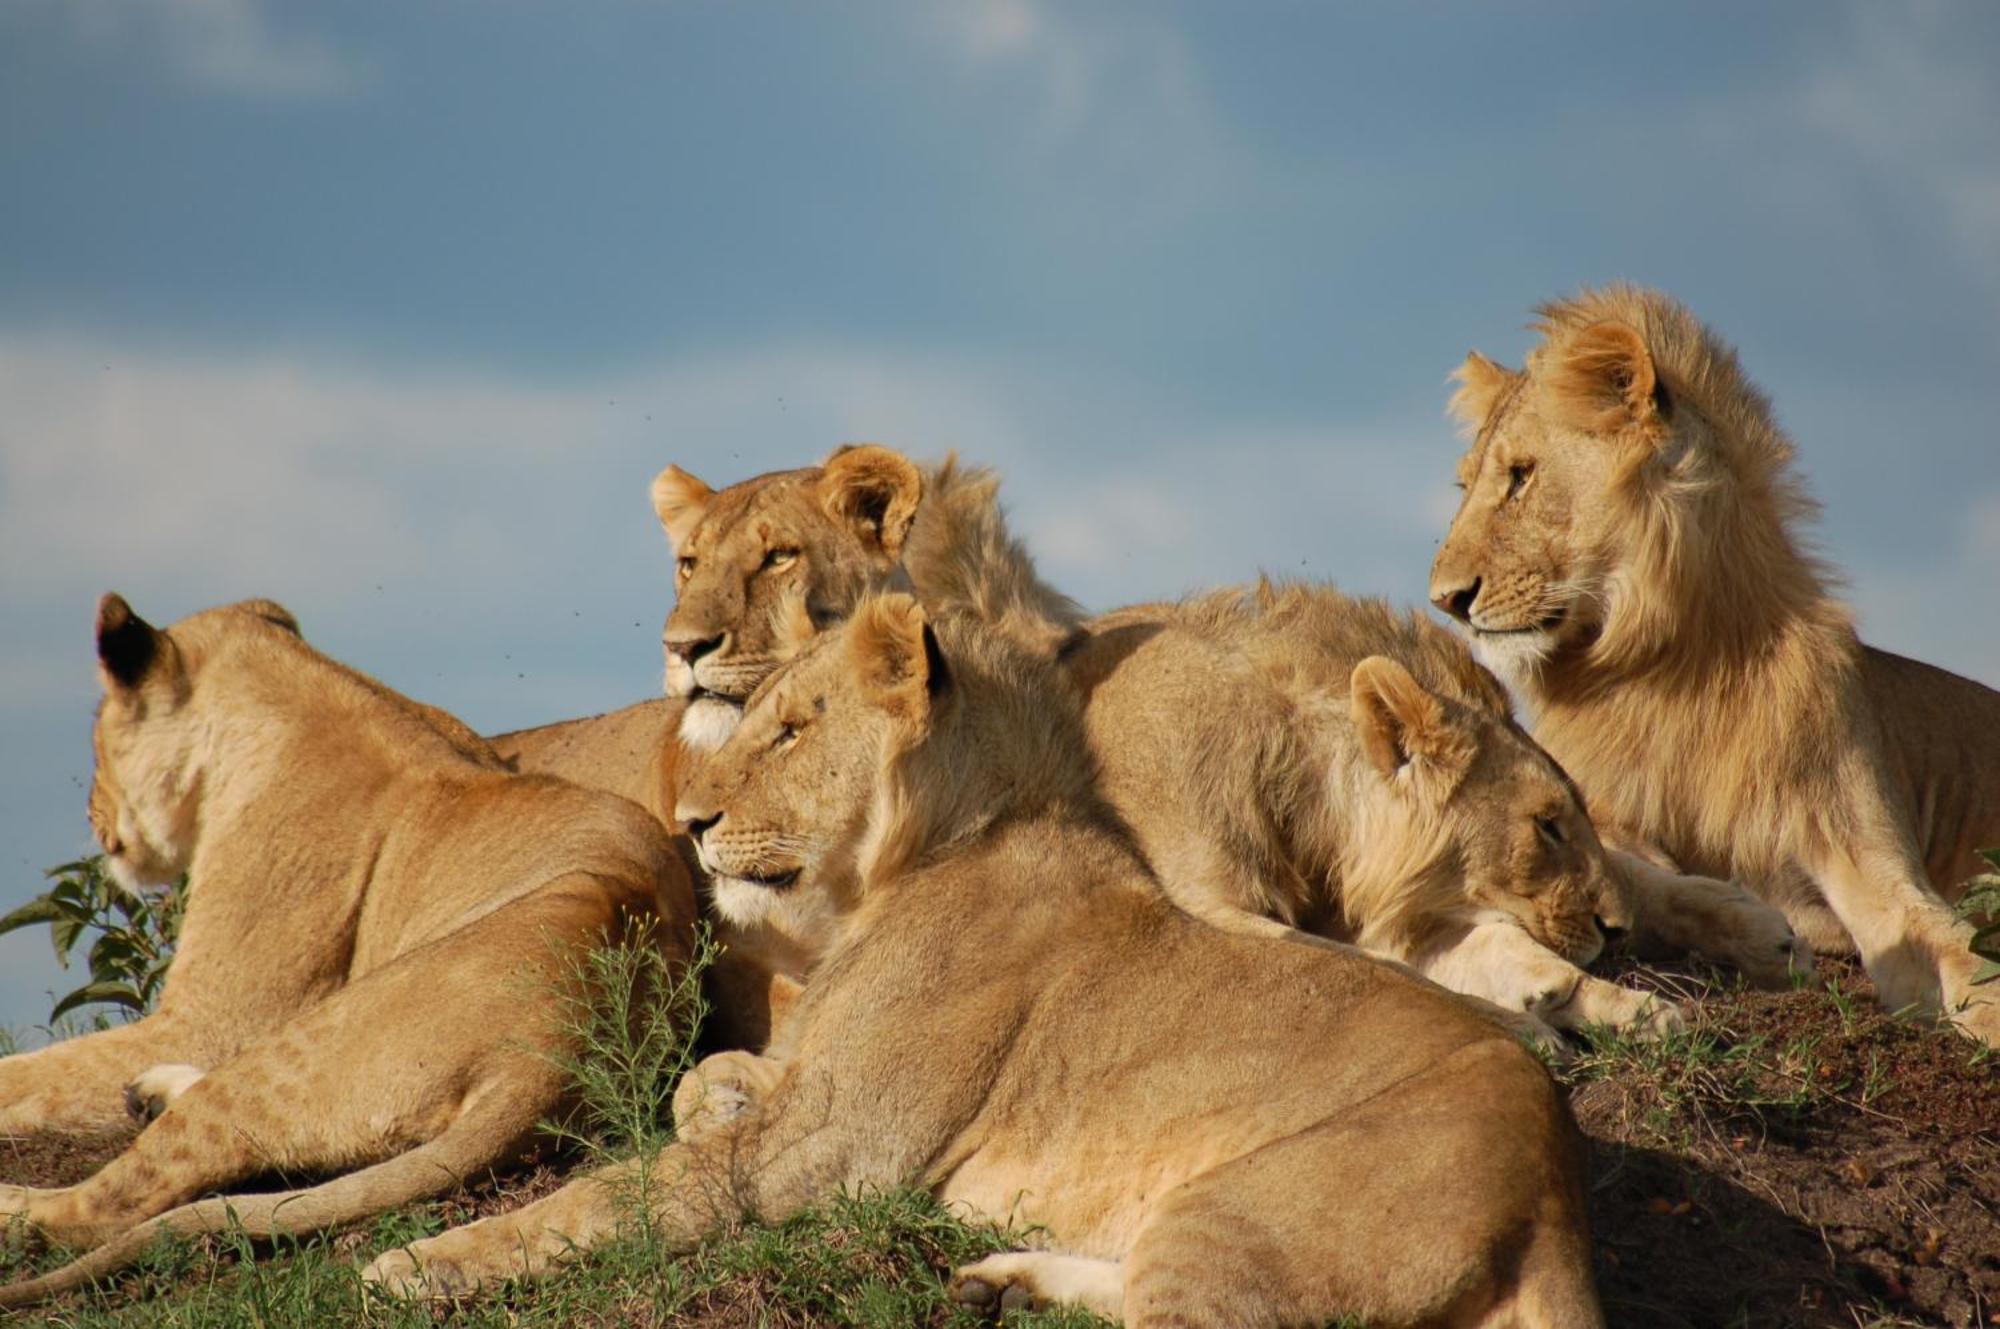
[1292, 754]
[865, 517]
[1629, 554]
[379, 921]
[1208, 1128]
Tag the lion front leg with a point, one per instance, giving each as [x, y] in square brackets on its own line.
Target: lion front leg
[1916, 950]
[680, 1196]
[1500, 963]
[528, 1242]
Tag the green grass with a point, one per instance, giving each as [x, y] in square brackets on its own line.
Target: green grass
[876, 1261]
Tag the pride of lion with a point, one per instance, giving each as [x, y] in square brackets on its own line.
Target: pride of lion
[1208, 940]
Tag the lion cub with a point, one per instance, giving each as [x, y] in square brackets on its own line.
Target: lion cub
[379, 920]
[1209, 1127]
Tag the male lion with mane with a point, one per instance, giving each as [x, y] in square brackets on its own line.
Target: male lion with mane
[1207, 1127]
[1627, 554]
[353, 857]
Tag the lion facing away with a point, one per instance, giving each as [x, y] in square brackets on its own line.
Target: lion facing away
[352, 856]
[1628, 555]
[1290, 753]
[1013, 1016]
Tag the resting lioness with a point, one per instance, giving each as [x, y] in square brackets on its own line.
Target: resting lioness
[1290, 754]
[353, 857]
[1627, 555]
[1208, 1128]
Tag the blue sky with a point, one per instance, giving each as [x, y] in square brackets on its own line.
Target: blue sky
[391, 311]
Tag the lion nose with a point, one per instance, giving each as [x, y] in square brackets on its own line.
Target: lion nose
[690, 647]
[1457, 600]
[700, 826]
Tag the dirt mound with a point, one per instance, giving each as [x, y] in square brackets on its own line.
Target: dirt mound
[1795, 1158]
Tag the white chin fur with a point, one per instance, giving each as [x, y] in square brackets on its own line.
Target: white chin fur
[679, 678]
[1515, 656]
[744, 903]
[707, 723]
[124, 874]
[804, 917]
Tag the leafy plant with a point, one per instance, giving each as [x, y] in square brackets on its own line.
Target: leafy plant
[133, 934]
[1982, 900]
[632, 1017]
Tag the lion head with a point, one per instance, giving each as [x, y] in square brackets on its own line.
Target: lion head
[818, 537]
[1479, 821]
[1607, 479]
[883, 736]
[151, 742]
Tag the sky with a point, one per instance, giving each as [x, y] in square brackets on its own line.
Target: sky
[390, 312]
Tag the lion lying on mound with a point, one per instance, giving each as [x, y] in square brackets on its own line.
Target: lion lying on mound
[1626, 554]
[753, 560]
[353, 855]
[1015, 1018]
[1291, 754]
[766, 562]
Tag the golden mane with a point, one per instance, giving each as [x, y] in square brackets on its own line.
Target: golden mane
[1712, 487]
[960, 557]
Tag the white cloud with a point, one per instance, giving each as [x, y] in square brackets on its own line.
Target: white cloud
[226, 46]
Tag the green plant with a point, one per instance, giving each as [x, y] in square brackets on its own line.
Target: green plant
[134, 934]
[1982, 901]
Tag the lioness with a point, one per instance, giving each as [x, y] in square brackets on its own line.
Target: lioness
[1292, 754]
[1210, 1128]
[352, 855]
[1627, 555]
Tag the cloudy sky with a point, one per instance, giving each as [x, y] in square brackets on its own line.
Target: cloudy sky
[391, 311]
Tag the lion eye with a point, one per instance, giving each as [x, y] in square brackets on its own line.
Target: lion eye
[1550, 828]
[685, 567]
[780, 558]
[786, 733]
[1517, 476]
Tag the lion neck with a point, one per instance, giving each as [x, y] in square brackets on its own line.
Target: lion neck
[1005, 749]
[1717, 593]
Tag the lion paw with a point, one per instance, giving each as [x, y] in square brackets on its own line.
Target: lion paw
[157, 1086]
[994, 1291]
[1753, 938]
[1977, 1015]
[404, 1274]
[722, 1089]
[1037, 1280]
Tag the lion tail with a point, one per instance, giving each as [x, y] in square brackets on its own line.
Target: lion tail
[463, 1149]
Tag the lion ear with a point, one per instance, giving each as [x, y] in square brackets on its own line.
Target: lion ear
[1403, 726]
[896, 655]
[680, 502]
[273, 613]
[128, 647]
[1480, 385]
[874, 491]
[1604, 381]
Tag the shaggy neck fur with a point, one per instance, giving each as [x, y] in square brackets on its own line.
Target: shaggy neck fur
[961, 557]
[1004, 743]
[1398, 873]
